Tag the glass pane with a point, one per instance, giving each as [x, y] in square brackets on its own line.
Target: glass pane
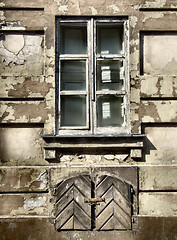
[110, 38]
[73, 75]
[73, 39]
[110, 75]
[109, 111]
[73, 111]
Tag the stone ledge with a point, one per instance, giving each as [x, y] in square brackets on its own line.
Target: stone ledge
[55, 145]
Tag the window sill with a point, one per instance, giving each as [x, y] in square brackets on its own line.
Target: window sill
[57, 145]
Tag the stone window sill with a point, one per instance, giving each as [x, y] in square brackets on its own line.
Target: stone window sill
[56, 146]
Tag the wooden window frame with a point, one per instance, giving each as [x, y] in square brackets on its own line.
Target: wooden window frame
[91, 59]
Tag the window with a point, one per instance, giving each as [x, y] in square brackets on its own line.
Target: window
[92, 76]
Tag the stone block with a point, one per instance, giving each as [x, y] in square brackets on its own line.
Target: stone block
[22, 112]
[21, 53]
[158, 204]
[156, 111]
[158, 178]
[21, 146]
[160, 54]
[160, 145]
[136, 153]
[24, 204]
[162, 86]
[59, 174]
[23, 87]
[50, 154]
[23, 179]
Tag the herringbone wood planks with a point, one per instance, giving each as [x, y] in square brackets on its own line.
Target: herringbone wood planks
[115, 211]
[71, 211]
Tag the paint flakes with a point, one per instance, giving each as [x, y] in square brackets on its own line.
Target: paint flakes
[31, 203]
[114, 8]
[93, 10]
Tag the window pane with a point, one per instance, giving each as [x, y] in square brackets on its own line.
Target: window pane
[110, 75]
[73, 75]
[109, 111]
[109, 38]
[73, 39]
[73, 111]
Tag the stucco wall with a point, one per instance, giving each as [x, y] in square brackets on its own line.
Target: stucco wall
[30, 164]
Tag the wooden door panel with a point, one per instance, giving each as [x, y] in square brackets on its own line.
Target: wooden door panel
[71, 210]
[115, 211]
[75, 208]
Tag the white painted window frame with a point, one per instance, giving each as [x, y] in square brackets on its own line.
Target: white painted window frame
[91, 58]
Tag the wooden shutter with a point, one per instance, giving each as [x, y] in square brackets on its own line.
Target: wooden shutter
[71, 210]
[115, 211]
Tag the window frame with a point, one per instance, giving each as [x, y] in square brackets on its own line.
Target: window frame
[91, 68]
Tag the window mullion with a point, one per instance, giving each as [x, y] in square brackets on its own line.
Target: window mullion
[94, 60]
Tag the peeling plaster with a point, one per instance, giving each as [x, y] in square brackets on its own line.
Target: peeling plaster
[31, 203]
[13, 25]
[154, 15]
[58, 2]
[29, 111]
[148, 119]
[173, 6]
[134, 116]
[134, 58]
[2, 4]
[158, 111]
[61, 8]
[2, 17]
[49, 124]
[43, 177]
[88, 160]
[18, 49]
[133, 22]
[114, 8]
[8, 111]
[155, 4]
[24, 87]
[148, 86]
[93, 10]
[164, 108]
[135, 95]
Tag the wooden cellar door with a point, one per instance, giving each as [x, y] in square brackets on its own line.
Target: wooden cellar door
[86, 204]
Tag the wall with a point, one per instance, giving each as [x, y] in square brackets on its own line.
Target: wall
[29, 164]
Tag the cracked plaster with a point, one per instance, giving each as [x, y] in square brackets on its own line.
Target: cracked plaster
[155, 3]
[14, 43]
[18, 49]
